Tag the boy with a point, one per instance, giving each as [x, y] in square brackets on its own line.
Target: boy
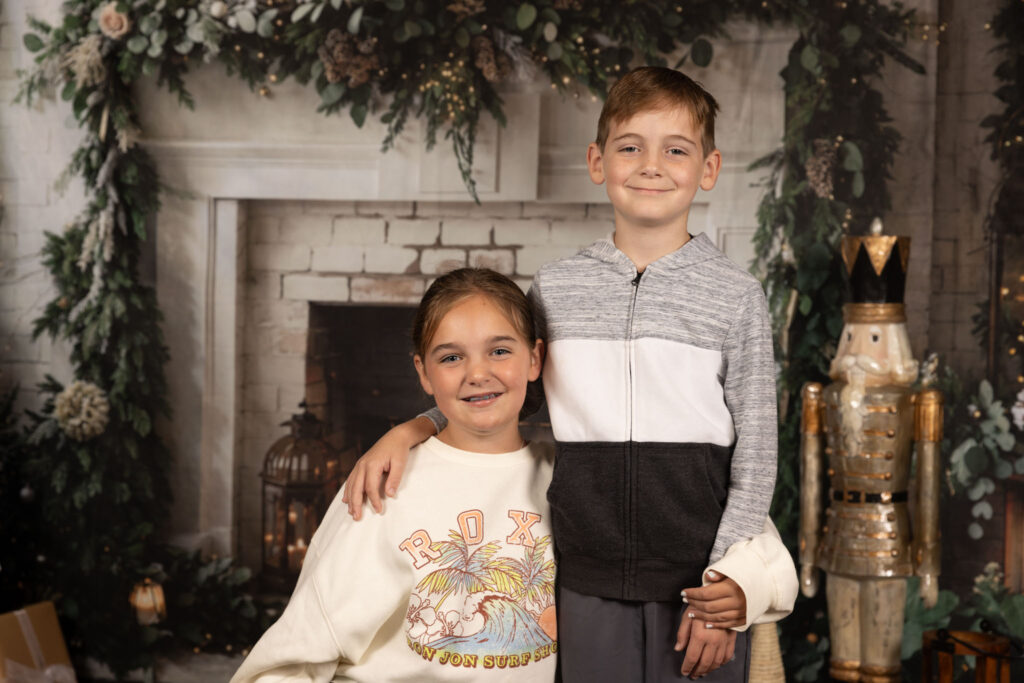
[660, 386]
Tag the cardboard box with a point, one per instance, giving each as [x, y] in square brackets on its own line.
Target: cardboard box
[32, 638]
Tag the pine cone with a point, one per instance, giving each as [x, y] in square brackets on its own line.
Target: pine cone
[820, 166]
[336, 53]
[484, 60]
[466, 8]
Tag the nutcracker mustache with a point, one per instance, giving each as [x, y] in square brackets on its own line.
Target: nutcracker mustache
[866, 363]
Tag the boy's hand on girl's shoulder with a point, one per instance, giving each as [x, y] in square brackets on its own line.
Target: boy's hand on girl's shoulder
[720, 603]
[706, 648]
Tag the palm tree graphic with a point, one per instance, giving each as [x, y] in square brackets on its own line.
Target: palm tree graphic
[536, 577]
[471, 572]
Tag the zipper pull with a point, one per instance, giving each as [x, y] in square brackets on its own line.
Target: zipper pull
[636, 280]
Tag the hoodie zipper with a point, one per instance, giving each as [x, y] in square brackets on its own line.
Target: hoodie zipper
[631, 455]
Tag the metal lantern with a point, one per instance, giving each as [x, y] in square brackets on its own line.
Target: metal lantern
[148, 600]
[301, 475]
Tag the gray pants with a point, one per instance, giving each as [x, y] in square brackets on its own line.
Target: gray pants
[613, 641]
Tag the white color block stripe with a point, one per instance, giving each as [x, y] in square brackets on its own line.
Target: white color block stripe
[676, 388]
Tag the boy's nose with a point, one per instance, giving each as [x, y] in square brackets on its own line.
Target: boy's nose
[652, 164]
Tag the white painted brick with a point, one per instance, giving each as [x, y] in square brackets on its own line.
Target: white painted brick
[437, 261]
[315, 288]
[277, 313]
[279, 257]
[337, 259]
[19, 348]
[544, 210]
[579, 233]
[312, 229]
[601, 211]
[501, 260]
[359, 231]
[402, 209]
[290, 395]
[389, 259]
[528, 232]
[275, 369]
[413, 231]
[275, 207]
[530, 259]
[405, 290]
[465, 209]
[8, 244]
[263, 284]
[264, 229]
[331, 208]
[290, 342]
[471, 231]
[261, 397]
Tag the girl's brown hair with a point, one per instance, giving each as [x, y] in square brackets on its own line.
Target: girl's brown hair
[451, 288]
[654, 87]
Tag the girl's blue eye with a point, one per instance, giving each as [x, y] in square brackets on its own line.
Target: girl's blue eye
[451, 358]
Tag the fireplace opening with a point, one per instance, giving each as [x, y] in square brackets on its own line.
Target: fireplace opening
[360, 377]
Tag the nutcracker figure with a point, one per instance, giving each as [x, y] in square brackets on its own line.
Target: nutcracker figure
[863, 430]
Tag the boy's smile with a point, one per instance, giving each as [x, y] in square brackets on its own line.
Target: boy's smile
[476, 367]
[653, 164]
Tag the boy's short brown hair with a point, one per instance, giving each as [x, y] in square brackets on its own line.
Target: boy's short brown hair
[654, 87]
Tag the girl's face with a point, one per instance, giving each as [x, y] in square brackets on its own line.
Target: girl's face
[476, 367]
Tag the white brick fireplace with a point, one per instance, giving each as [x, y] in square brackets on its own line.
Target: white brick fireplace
[277, 208]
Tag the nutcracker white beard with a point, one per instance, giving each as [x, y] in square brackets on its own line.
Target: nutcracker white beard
[874, 354]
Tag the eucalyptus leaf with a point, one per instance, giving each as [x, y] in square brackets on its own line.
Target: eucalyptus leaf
[138, 44]
[301, 11]
[857, 187]
[554, 51]
[809, 58]
[358, 114]
[976, 460]
[805, 304]
[462, 37]
[315, 16]
[159, 37]
[853, 160]
[184, 47]
[525, 16]
[1003, 469]
[149, 66]
[265, 26]
[412, 29]
[1018, 466]
[550, 31]
[395, 5]
[354, 20]
[975, 531]
[985, 393]
[68, 91]
[700, 52]
[195, 33]
[150, 23]
[977, 490]
[155, 50]
[332, 93]
[1006, 441]
[336, 4]
[193, 16]
[246, 21]
[33, 42]
[982, 509]
[850, 34]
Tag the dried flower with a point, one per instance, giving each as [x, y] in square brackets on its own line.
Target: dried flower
[344, 58]
[493, 67]
[85, 61]
[465, 8]
[819, 168]
[114, 24]
[82, 410]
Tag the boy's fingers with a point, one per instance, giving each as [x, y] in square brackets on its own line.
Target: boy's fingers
[693, 652]
[395, 476]
[683, 634]
[355, 499]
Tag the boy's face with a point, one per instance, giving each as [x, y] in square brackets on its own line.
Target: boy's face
[653, 164]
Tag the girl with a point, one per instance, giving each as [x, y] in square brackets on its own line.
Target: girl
[456, 582]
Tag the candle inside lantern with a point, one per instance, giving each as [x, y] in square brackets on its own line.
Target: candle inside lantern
[148, 600]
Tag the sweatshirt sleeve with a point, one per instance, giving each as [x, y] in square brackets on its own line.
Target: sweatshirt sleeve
[351, 583]
[748, 361]
[764, 571]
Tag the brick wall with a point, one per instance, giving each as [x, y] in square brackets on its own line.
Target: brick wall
[366, 253]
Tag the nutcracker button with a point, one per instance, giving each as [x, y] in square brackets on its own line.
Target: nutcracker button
[892, 410]
[824, 428]
[888, 475]
[824, 529]
[888, 455]
[831, 471]
[892, 534]
[891, 517]
[895, 552]
[891, 433]
[828, 450]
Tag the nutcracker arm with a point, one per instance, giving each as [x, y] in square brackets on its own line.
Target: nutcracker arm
[928, 435]
[810, 485]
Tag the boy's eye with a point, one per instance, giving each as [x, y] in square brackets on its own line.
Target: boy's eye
[501, 352]
[630, 149]
[677, 151]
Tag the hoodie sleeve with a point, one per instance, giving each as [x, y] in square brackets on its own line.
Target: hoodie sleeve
[764, 571]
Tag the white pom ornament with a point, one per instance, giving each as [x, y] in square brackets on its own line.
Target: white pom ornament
[82, 410]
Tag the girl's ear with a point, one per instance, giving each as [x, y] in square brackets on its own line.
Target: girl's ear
[424, 382]
[536, 359]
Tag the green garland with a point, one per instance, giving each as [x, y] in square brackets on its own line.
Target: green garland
[441, 62]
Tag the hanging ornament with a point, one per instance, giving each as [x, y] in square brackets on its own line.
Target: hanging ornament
[82, 410]
[27, 494]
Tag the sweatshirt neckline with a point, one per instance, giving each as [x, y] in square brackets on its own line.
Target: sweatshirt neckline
[697, 249]
[448, 452]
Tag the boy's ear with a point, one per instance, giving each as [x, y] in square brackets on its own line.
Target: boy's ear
[595, 163]
[712, 165]
[536, 359]
[424, 382]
